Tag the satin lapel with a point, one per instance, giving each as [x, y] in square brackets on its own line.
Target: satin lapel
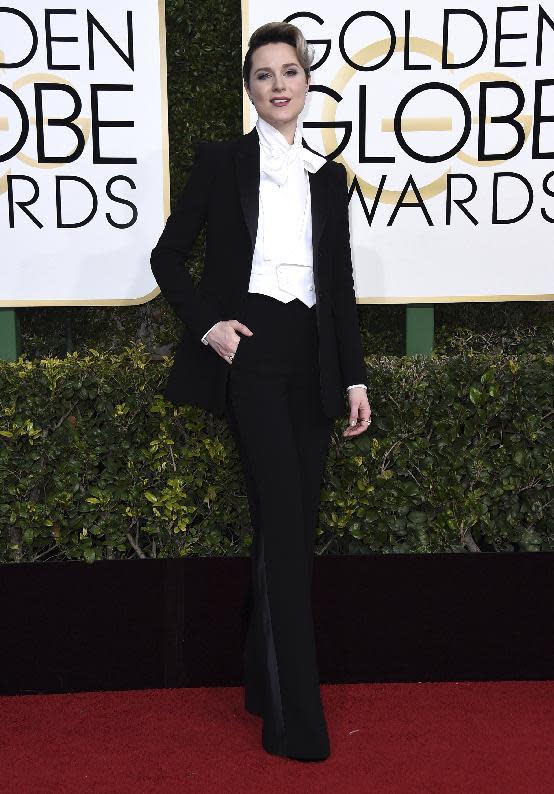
[319, 190]
[247, 162]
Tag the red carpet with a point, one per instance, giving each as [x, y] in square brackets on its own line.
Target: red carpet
[429, 738]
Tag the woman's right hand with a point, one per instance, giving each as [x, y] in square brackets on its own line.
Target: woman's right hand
[224, 339]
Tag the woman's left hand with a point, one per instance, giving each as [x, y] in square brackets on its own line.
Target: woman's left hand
[360, 412]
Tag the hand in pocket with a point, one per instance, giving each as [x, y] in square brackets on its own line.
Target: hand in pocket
[225, 340]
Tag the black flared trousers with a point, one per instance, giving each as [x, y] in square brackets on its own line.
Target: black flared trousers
[274, 412]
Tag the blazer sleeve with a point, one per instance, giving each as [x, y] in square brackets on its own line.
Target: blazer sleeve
[344, 296]
[177, 239]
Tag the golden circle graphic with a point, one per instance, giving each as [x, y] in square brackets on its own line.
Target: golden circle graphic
[433, 50]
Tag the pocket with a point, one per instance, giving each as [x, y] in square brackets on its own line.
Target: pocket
[241, 340]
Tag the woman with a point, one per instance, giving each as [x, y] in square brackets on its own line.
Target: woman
[278, 264]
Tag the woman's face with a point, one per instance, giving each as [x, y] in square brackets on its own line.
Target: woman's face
[276, 73]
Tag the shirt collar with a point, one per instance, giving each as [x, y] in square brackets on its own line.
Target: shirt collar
[276, 145]
[271, 138]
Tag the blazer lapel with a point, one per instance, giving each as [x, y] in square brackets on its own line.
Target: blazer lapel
[247, 161]
[319, 191]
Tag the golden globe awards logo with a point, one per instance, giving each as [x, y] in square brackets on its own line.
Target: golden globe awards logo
[52, 89]
[361, 66]
[444, 120]
[83, 150]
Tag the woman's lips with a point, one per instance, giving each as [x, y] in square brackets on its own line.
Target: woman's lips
[279, 103]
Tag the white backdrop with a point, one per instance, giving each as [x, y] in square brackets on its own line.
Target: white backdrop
[418, 254]
[100, 262]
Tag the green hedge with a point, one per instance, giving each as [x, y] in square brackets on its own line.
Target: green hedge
[95, 464]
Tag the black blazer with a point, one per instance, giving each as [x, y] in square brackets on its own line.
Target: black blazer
[223, 191]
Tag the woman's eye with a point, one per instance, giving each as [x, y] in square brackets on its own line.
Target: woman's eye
[291, 72]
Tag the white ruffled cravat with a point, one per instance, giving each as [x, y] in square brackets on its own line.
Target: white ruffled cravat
[285, 193]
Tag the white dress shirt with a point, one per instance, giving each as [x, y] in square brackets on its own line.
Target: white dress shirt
[282, 262]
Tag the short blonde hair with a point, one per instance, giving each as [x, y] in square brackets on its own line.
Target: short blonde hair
[278, 32]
